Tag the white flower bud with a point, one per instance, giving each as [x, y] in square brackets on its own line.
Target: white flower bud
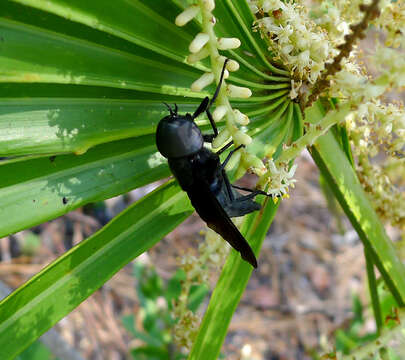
[240, 118]
[222, 137]
[209, 4]
[238, 91]
[232, 65]
[199, 41]
[219, 112]
[202, 82]
[202, 54]
[241, 138]
[187, 15]
[253, 161]
[228, 43]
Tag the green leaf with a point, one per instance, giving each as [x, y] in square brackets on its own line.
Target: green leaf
[230, 287]
[33, 191]
[76, 61]
[173, 289]
[337, 170]
[129, 324]
[36, 351]
[150, 353]
[55, 126]
[32, 309]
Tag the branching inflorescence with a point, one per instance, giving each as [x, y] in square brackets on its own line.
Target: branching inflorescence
[375, 127]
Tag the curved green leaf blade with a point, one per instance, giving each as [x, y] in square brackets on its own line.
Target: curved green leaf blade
[230, 287]
[74, 61]
[148, 24]
[31, 310]
[36, 190]
[55, 126]
[341, 177]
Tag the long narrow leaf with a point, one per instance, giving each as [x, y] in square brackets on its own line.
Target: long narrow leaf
[36, 190]
[60, 287]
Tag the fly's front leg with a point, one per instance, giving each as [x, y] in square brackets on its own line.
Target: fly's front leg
[219, 84]
[213, 125]
[206, 104]
[209, 115]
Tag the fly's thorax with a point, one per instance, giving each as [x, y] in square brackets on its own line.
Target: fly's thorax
[178, 136]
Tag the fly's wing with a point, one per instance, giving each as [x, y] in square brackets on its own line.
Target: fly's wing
[211, 211]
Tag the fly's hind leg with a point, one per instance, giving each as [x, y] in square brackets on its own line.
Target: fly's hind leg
[229, 155]
[253, 193]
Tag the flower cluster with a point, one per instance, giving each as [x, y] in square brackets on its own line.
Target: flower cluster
[308, 47]
[206, 44]
[186, 329]
[392, 21]
[301, 45]
[211, 255]
[278, 179]
[376, 129]
[377, 132]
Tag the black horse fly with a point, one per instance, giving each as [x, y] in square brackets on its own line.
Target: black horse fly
[201, 174]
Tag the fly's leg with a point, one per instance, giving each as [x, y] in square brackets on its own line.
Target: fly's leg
[206, 104]
[222, 168]
[220, 151]
[229, 155]
[208, 138]
[257, 192]
[228, 186]
[213, 125]
[253, 193]
[219, 84]
[201, 108]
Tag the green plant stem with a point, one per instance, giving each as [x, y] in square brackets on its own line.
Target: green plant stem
[316, 130]
[372, 284]
[387, 335]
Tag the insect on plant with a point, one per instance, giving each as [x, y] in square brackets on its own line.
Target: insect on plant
[200, 173]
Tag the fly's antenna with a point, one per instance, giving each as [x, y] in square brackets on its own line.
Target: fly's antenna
[170, 109]
[172, 112]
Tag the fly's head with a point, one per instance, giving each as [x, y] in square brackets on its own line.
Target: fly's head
[178, 135]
